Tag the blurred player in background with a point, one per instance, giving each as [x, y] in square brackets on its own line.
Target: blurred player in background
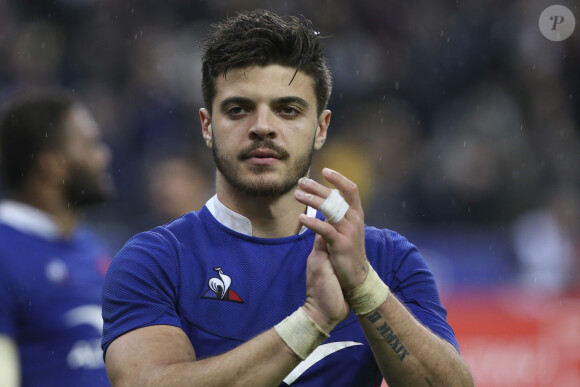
[178, 182]
[53, 162]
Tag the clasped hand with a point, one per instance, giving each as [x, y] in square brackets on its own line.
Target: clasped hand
[338, 261]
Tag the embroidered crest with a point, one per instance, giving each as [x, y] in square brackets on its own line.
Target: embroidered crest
[219, 288]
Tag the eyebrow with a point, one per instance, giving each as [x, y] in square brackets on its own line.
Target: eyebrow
[235, 101]
[238, 100]
[292, 99]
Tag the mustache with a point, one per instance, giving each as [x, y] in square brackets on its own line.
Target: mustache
[264, 144]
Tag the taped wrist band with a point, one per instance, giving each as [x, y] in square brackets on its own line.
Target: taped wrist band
[301, 333]
[369, 295]
[334, 207]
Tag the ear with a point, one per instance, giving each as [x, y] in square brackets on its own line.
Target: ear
[322, 129]
[205, 119]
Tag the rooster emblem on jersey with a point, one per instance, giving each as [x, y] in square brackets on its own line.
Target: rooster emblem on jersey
[219, 288]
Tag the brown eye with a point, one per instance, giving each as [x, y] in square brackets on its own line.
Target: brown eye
[289, 111]
[236, 111]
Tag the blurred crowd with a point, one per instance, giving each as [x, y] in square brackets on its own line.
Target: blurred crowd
[458, 120]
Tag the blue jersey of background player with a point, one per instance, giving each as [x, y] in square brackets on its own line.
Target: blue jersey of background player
[51, 269]
[194, 303]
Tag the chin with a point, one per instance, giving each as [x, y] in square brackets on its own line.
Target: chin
[263, 186]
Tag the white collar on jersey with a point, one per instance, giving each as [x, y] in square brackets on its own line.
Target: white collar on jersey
[238, 222]
[28, 219]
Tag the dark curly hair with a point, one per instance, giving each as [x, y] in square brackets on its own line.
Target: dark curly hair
[31, 122]
[261, 37]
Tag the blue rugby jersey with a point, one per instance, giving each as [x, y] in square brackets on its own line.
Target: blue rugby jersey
[223, 288]
[50, 304]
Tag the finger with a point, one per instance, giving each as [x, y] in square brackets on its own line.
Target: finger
[334, 206]
[348, 189]
[308, 198]
[324, 229]
[313, 187]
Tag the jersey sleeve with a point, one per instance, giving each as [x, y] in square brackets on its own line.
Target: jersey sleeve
[411, 280]
[141, 285]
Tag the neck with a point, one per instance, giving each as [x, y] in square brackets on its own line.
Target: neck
[271, 217]
[51, 202]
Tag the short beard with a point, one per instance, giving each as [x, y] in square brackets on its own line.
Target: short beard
[83, 189]
[258, 187]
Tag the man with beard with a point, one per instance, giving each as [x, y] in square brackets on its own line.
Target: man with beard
[258, 288]
[52, 268]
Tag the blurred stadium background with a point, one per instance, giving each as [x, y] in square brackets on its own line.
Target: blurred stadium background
[459, 121]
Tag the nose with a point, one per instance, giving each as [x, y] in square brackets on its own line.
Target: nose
[264, 124]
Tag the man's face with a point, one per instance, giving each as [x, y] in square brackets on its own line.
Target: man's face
[87, 160]
[264, 129]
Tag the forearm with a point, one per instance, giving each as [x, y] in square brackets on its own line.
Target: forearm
[262, 361]
[409, 354]
[163, 355]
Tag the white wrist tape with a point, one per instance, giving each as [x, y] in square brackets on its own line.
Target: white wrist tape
[301, 333]
[369, 295]
[334, 207]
